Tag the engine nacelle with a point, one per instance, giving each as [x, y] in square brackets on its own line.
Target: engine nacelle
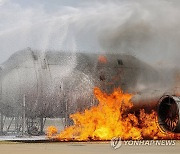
[166, 106]
[169, 113]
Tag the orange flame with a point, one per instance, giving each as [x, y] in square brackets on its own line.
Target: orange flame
[102, 59]
[51, 131]
[108, 120]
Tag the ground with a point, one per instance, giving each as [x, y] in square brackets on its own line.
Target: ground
[78, 148]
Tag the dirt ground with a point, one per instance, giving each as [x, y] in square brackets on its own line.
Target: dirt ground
[82, 148]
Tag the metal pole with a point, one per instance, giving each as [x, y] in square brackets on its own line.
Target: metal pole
[66, 114]
[15, 125]
[2, 123]
[41, 125]
[24, 116]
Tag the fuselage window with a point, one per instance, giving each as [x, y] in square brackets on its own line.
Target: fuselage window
[120, 62]
[102, 77]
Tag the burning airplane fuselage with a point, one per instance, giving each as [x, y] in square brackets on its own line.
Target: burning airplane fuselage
[57, 84]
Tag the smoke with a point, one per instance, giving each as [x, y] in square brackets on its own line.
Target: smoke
[151, 31]
[2, 2]
[146, 29]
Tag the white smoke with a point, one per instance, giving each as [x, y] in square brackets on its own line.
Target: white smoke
[147, 29]
[2, 2]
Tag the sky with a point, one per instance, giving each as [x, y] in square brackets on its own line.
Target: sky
[147, 29]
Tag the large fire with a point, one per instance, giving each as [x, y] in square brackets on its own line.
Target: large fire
[110, 119]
